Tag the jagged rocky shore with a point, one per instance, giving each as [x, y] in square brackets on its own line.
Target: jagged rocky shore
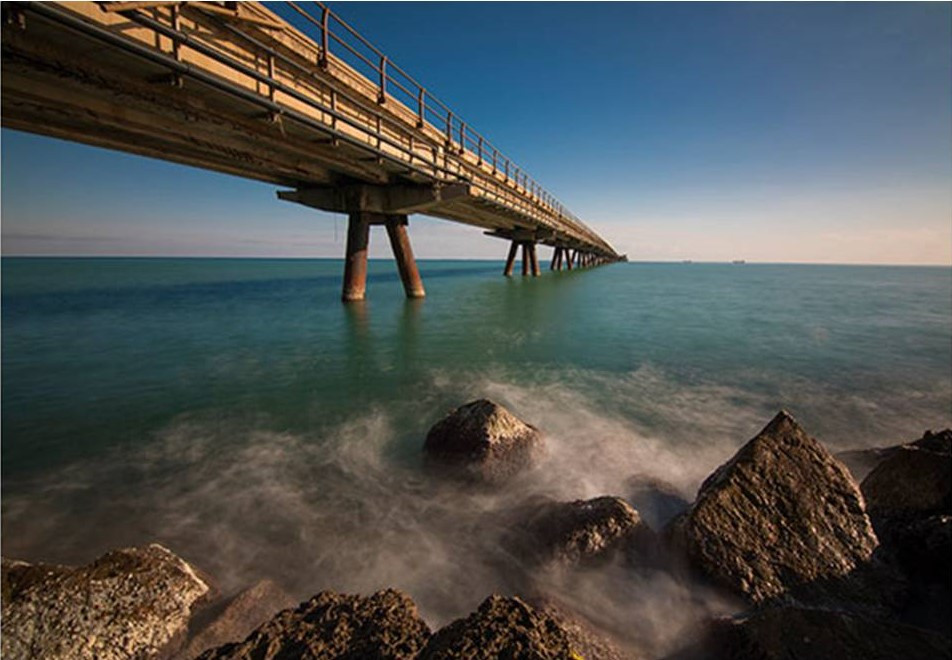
[813, 565]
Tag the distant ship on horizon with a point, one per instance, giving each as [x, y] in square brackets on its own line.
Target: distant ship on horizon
[739, 261]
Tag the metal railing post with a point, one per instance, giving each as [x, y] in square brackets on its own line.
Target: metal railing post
[322, 62]
[382, 94]
[421, 110]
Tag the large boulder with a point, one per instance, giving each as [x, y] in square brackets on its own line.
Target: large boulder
[780, 514]
[236, 617]
[483, 441]
[502, 628]
[385, 626]
[583, 532]
[795, 633]
[129, 603]
[908, 498]
[915, 481]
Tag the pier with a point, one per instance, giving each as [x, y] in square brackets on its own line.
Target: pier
[287, 94]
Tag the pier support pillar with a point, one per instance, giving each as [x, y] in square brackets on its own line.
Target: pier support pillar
[511, 259]
[534, 258]
[355, 258]
[525, 259]
[568, 259]
[403, 253]
[555, 258]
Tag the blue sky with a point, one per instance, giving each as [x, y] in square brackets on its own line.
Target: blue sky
[817, 132]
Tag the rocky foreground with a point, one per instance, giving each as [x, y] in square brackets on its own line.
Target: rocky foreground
[817, 566]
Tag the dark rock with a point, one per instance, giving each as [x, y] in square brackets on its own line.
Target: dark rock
[914, 482]
[780, 514]
[130, 603]
[502, 628]
[657, 501]
[922, 549]
[233, 619]
[908, 497]
[793, 633]
[483, 441]
[384, 626]
[940, 443]
[583, 532]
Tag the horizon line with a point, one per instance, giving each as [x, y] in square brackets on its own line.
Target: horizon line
[685, 262]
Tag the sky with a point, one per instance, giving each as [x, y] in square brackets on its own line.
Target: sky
[778, 132]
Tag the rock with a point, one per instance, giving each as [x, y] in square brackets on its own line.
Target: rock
[914, 482]
[908, 497]
[656, 500]
[502, 628]
[235, 618]
[130, 603]
[793, 633]
[385, 626]
[780, 514]
[922, 549]
[583, 532]
[483, 441]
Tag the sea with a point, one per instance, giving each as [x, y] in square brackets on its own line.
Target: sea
[235, 411]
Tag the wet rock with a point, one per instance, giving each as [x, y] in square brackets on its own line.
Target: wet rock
[129, 603]
[914, 482]
[780, 514]
[502, 628]
[483, 441]
[233, 619]
[385, 626]
[583, 532]
[792, 633]
[656, 500]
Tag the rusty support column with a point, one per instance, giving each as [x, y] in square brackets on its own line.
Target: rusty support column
[568, 258]
[355, 258]
[511, 259]
[525, 259]
[555, 258]
[534, 260]
[403, 253]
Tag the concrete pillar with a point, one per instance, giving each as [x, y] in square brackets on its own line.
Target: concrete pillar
[525, 259]
[568, 258]
[511, 259]
[355, 258]
[403, 253]
[534, 257]
[555, 258]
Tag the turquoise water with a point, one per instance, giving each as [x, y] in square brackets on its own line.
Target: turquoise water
[236, 411]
